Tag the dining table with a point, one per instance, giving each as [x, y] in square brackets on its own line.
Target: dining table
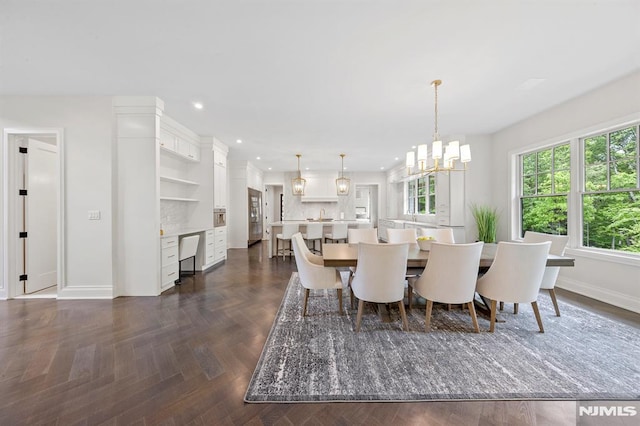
[346, 255]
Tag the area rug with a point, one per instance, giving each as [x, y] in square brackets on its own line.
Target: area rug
[319, 358]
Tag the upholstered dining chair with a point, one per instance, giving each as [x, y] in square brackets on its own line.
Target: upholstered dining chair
[450, 277]
[558, 245]
[515, 276]
[313, 234]
[380, 277]
[338, 232]
[288, 229]
[187, 250]
[441, 235]
[408, 235]
[355, 236]
[313, 275]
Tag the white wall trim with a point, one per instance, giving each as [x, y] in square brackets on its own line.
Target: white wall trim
[622, 300]
[85, 292]
[8, 261]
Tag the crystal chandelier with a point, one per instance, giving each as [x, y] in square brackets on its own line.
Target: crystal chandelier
[452, 153]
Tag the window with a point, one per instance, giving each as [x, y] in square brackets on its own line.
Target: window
[545, 184]
[421, 195]
[611, 197]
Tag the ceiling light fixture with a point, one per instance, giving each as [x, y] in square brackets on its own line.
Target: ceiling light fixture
[198, 105]
[453, 151]
[298, 183]
[342, 183]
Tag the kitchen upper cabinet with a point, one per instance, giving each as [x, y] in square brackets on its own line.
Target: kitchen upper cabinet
[450, 199]
[173, 141]
[219, 179]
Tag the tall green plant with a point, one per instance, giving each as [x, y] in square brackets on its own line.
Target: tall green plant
[487, 221]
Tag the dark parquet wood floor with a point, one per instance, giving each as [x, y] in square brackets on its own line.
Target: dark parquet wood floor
[186, 358]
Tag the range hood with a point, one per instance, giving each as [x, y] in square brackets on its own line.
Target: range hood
[321, 188]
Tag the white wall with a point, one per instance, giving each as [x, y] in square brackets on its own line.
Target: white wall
[606, 278]
[88, 151]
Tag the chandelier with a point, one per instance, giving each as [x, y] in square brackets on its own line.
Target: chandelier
[343, 183]
[298, 183]
[452, 152]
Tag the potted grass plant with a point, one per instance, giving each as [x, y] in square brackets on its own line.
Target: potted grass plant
[486, 220]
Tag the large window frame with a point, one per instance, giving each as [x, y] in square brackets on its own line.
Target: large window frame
[577, 188]
[420, 195]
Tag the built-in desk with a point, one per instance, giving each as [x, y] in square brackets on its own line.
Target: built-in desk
[208, 253]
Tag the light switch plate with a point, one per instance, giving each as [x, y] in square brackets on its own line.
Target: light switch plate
[94, 214]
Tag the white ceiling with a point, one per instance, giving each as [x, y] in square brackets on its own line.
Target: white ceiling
[322, 77]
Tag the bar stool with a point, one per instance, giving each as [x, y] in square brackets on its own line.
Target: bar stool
[288, 229]
[338, 232]
[313, 234]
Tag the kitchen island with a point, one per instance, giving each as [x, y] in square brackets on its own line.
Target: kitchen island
[275, 228]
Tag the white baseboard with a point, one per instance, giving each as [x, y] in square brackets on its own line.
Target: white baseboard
[625, 301]
[85, 293]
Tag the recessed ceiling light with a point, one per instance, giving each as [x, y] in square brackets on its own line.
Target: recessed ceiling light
[413, 147]
[238, 141]
[269, 168]
[397, 158]
[306, 168]
[198, 105]
[257, 158]
[382, 168]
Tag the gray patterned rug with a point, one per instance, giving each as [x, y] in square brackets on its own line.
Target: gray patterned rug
[581, 355]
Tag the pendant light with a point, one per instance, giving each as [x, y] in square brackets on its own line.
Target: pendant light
[342, 183]
[298, 183]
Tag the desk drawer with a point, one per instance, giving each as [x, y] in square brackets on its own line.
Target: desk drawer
[169, 273]
[169, 242]
[169, 255]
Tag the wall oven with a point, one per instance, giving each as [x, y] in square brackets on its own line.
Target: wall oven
[219, 217]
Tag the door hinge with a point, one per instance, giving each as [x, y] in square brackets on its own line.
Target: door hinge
[22, 192]
[22, 149]
[22, 235]
[22, 278]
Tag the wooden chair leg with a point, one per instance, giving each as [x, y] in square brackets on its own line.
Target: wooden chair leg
[340, 300]
[359, 316]
[409, 294]
[552, 293]
[403, 315]
[492, 327]
[306, 299]
[501, 306]
[515, 308]
[427, 317]
[534, 305]
[448, 306]
[474, 317]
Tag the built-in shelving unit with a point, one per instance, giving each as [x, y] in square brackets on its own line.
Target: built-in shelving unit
[182, 156]
[188, 200]
[176, 180]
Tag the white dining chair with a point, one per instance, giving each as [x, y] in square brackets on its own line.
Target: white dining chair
[313, 234]
[409, 236]
[515, 276]
[288, 229]
[450, 277]
[380, 277]
[187, 249]
[312, 274]
[441, 235]
[558, 246]
[338, 233]
[355, 236]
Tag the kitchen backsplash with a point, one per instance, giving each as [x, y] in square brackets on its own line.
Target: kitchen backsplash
[174, 215]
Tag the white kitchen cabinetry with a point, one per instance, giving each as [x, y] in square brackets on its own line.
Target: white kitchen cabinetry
[210, 248]
[450, 199]
[219, 179]
[170, 269]
[220, 243]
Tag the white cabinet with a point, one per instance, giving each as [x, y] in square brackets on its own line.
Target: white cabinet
[179, 146]
[219, 179]
[450, 199]
[220, 235]
[209, 247]
[169, 255]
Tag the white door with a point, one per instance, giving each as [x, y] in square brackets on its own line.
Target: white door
[41, 219]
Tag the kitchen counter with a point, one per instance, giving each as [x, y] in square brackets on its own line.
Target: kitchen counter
[276, 228]
[184, 231]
